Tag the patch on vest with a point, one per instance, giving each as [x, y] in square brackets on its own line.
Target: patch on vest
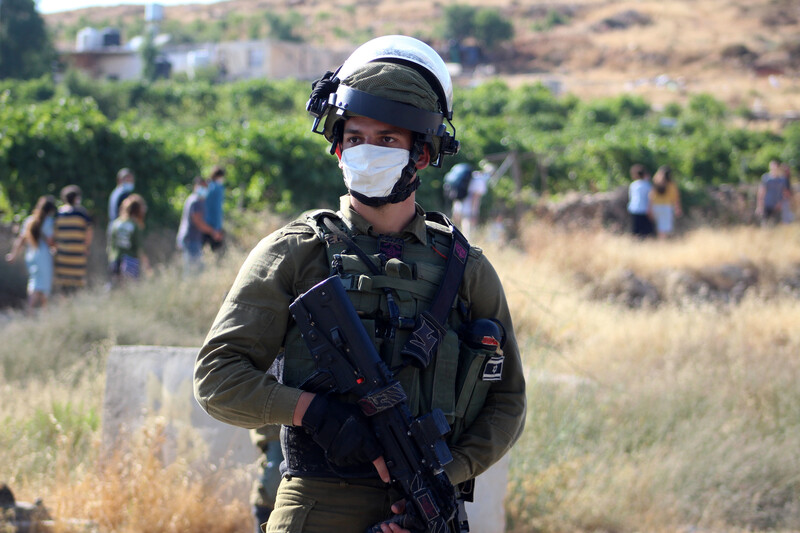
[493, 371]
[461, 251]
[424, 341]
[391, 247]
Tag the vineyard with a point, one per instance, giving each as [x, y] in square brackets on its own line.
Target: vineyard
[82, 131]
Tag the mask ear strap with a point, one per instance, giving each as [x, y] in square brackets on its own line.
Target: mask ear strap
[405, 186]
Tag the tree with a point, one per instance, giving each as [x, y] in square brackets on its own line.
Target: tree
[149, 53]
[486, 26]
[459, 21]
[282, 27]
[491, 28]
[25, 48]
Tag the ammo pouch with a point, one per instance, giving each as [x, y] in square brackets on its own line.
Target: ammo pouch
[477, 369]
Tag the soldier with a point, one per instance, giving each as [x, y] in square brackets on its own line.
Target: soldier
[384, 112]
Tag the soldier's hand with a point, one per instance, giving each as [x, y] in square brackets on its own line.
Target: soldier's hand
[341, 430]
[393, 526]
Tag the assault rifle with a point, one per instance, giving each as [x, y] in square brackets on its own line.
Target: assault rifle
[414, 448]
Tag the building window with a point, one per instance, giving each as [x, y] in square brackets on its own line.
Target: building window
[255, 57]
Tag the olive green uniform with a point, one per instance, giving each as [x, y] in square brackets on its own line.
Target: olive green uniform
[253, 326]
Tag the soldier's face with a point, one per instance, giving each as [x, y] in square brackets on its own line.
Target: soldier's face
[364, 130]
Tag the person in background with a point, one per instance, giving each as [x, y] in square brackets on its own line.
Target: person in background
[265, 488]
[125, 253]
[478, 187]
[787, 211]
[456, 188]
[639, 201]
[37, 236]
[214, 206]
[73, 237]
[125, 185]
[193, 227]
[665, 202]
[771, 195]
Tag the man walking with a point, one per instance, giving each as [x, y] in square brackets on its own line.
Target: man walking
[214, 206]
[126, 182]
[193, 228]
[73, 237]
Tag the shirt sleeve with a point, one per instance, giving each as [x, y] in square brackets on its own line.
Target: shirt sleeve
[501, 421]
[48, 227]
[230, 376]
[198, 205]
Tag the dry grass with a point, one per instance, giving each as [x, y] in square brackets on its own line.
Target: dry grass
[134, 491]
[597, 253]
[659, 420]
[665, 419]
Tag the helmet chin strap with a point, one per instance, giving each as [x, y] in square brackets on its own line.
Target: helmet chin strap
[403, 187]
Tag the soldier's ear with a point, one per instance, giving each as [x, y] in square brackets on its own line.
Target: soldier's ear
[424, 158]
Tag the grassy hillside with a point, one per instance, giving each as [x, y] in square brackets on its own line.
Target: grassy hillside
[663, 50]
[660, 419]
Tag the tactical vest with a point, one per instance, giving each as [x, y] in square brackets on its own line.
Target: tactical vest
[452, 381]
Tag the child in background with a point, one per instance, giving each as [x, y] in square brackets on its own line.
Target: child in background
[125, 241]
[665, 202]
[639, 201]
[37, 234]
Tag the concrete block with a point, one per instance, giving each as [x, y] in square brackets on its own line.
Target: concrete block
[487, 513]
[145, 383]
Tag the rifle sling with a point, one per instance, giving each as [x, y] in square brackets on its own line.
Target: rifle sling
[454, 269]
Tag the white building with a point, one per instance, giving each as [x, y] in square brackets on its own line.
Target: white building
[266, 58]
[233, 60]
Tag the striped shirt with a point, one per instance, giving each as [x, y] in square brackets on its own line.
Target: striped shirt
[72, 251]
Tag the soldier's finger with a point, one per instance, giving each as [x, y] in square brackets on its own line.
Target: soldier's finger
[383, 472]
[399, 507]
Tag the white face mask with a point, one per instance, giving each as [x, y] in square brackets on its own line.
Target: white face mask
[202, 192]
[373, 170]
[127, 186]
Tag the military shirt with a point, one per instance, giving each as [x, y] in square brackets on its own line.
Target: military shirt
[231, 381]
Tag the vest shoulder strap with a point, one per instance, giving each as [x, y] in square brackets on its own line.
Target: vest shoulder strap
[423, 344]
[314, 219]
[438, 223]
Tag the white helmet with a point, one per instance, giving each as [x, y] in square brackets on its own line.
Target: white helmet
[331, 98]
[405, 51]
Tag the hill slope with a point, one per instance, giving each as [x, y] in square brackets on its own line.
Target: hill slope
[745, 52]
